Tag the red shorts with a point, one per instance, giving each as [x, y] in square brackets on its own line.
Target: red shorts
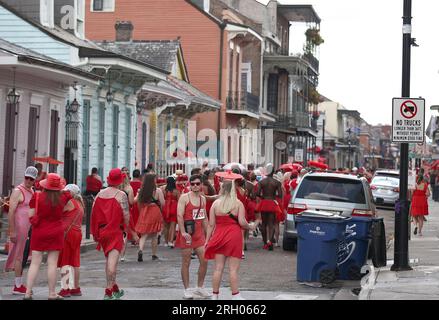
[111, 241]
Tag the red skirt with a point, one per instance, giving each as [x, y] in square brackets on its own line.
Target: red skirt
[419, 206]
[250, 211]
[198, 238]
[70, 254]
[268, 206]
[170, 211]
[110, 240]
[226, 239]
[150, 220]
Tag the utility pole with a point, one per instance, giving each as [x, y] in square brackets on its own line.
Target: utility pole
[349, 148]
[401, 258]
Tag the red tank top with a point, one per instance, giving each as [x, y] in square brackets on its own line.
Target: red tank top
[192, 212]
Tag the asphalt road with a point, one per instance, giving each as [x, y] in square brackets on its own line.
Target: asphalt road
[261, 271]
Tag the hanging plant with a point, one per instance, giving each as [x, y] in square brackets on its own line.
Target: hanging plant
[313, 36]
[313, 96]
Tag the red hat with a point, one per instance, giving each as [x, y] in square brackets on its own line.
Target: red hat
[160, 181]
[53, 182]
[182, 177]
[228, 175]
[115, 177]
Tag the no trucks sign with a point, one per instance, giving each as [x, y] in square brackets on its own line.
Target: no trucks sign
[408, 120]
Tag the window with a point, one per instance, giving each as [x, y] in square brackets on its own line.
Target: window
[80, 17]
[103, 5]
[46, 13]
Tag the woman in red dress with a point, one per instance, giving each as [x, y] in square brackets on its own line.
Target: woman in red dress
[170, 211]
[419, 206]
[224, 236]
[149, 224]
[70, 254]
[136, 183]
[46, 210]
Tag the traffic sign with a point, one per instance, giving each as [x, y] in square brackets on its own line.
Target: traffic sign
[408, 120]
[298, 155]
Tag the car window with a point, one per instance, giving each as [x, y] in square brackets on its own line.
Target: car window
[331, 189]
[388, 181]
[387, 174]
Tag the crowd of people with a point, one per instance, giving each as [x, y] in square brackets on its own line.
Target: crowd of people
[208, 215]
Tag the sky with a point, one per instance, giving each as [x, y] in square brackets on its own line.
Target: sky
[361, 58]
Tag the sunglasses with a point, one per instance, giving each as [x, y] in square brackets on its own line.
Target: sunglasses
[195, 183]
[29, 178]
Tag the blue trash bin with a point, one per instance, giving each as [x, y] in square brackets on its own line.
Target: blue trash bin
[353, 249]
[319, 235]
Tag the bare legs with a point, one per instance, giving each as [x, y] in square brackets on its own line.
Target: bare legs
[111, 268]
[154, 245]
[268, 221]
[37, 258]
[186, 262]
[234, 264]
[419, 220]
[171, 232]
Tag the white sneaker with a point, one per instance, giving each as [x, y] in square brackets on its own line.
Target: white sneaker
[187, 294]
[215, 296]
[122, 259]
[237, 297]
[165, 244]
[203, 293]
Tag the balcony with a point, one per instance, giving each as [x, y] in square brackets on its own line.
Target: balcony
[293, 121]
[246, 103]
[313, 61]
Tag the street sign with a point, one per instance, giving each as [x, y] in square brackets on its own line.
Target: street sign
[298, 155]
[408, 120]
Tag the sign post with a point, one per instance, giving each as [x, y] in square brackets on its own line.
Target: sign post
[408, 120]
[408, 109]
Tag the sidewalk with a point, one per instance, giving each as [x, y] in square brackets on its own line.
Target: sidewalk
[86, 244]
[420, 283]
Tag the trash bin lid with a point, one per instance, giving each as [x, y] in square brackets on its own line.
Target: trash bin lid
[321, 215]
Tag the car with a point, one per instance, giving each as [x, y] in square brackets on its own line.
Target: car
[386, 173]
[341, 194]
[385, 189]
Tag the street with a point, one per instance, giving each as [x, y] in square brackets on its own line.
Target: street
[263, 275]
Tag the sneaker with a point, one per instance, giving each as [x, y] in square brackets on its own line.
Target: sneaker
[276, 244]
[265, 247]
[203, 293]
[19, 291]
[237, 297]
[171, 245]
[140, 256]
[117, 293]
[255, 234]
[416, 231]
[270, 246]
[122, 259]
[154, 257]
[165, 244]
[243, 255]
[215, 296]
[76, 292]
[158, 239]
[193, 255]
[108, 295]
[65, 293]
[187, 294]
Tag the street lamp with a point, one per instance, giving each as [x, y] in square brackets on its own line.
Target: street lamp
[74, 106]
[109, 97]
[13, 97]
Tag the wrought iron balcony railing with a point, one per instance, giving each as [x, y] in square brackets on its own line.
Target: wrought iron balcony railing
[247, 102]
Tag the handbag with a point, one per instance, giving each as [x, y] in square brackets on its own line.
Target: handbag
[189, 225]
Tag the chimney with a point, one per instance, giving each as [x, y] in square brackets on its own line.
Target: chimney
[124, 30]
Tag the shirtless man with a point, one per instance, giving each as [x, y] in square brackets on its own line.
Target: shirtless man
[269, 189]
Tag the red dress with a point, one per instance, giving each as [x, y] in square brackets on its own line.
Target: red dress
[47, 227]
[107, 224]
[150, 219]
[251, 206]
[287, 196]
[170, 209]
[134, 210]
[198, 238]
[419, 206]
[226, 239]
[72, 221]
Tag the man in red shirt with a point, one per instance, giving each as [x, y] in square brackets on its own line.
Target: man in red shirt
[93, 183]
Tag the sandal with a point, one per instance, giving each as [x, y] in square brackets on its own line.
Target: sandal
[57, 297]
[28, 297]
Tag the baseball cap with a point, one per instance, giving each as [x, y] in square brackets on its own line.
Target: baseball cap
[31, 172]
[73, 188]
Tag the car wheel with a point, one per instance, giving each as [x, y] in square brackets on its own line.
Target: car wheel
[289, 244]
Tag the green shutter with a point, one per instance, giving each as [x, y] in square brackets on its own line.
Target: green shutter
[128, 135]
[101, 138]
[85, 142]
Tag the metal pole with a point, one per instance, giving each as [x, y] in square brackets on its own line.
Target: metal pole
[401, 258]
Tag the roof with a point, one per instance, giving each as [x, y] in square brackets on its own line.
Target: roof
[207, 14]
[200, 97]
[162, 54]
[86, 48]
[32, 57]
[298, 13]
